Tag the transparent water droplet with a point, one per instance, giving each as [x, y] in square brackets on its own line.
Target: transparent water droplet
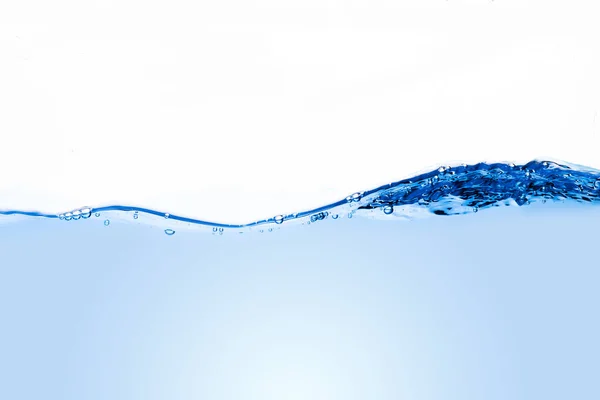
[76, 215]
[97, 214]
[61, 216]
[475, 209]
[167, 215]
[86, 212]
[313, 218]
[279, 219]
[349, 215]
[169, 232]
[335, 216]
[387, 210]
[68, 216]
[135, 215]
[106, 222]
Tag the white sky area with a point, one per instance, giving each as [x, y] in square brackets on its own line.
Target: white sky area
[232, 111]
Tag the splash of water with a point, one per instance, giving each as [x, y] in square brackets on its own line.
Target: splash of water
[444, 191]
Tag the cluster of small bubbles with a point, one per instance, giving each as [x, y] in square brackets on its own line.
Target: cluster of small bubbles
[319, 217]
[279, 219]
[387, 210]
[84, 213]
[135, 215]
[106, 222]
[355, 197]
[169, 232]
[335, 216]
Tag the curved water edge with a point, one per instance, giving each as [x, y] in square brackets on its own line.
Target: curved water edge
[445, 191]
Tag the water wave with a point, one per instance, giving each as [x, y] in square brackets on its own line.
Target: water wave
[445, 191]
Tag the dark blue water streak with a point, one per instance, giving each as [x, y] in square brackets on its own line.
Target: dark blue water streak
[445, 191]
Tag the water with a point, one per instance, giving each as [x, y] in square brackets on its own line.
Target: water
[446, 191]
[493, 304]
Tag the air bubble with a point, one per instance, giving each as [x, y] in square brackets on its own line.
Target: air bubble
[106, 222]
[475, 209]
[61, 216]
[76, 215]
[355, 197]
[169, 232]
[335, 216]
[221, 231]
[387, 210]
[215, 229]
[97, 214]
[270, 229]
[279, 219]
[68, 216]
[349, 215]
[167, 215]
[86, 212]
[319, 217]
[135, 215]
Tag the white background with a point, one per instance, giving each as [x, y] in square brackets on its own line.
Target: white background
[237, 110]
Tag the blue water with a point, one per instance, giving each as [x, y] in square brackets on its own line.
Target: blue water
[359, 301]
[446, 191]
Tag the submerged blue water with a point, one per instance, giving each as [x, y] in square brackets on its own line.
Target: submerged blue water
[495, 305]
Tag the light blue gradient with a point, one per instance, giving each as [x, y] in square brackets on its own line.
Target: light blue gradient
[501, 304]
